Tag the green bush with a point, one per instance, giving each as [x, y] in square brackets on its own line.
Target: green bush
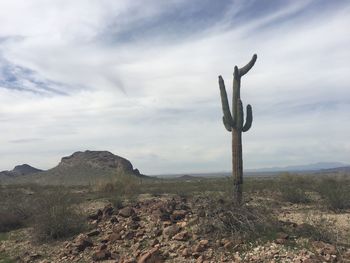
[13, 209]
[293, 188]
[335, 192]
[10, 220]
[56, 216]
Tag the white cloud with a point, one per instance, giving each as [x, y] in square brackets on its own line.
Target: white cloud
[156, 100]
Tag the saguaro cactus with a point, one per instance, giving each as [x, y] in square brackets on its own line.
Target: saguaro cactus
[234, 124]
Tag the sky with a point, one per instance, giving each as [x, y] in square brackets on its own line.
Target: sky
[140, 79]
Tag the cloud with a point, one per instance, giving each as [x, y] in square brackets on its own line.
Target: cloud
[140, 79]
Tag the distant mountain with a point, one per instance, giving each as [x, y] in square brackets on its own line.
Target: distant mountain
[300, 168]
[20, 170]
[82, 168]
[344, 169]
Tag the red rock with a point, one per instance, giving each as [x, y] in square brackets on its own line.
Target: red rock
[228, 244]
[152, 256]
[171, 231]
[82, 242]
[186, 252]
[101, 255]
[204, 242]
[182, 236]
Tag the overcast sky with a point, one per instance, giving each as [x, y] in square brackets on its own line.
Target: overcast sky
[139, 79]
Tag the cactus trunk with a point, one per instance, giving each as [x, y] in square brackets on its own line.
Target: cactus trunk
[237, 166]
[234, 124]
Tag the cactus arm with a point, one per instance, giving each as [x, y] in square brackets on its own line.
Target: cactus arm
[246, 68]
[249, 119]
[227, 126]
[228, 120]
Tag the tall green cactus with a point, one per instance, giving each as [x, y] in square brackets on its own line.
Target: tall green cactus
[234, 124]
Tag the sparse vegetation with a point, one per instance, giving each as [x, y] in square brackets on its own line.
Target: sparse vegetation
[294, 188]
[247, 222]
[52, 213]
[335, 192]
[56, 216]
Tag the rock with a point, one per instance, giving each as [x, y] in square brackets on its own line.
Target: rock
[97, 159]
[200, 259]
[92, 233]
[171, 231]
[107, 210]
[324, 248]
[114, 220]
[182, 236]
[115, 256]
[96, 215]
[133, 225]
[114, 237]
[311, 260]
[154, 242]
[162, 214]
[281, 241]
[103, 246]
[201, 246]
[204, 242]
[167, 223]
[186, 252]
[127, 212]
[82, 242]
[201, 213]
[178, 215]
[157, 232]
[151, 256]
[135, 217]
[228, 244]
[117, 228]
[129, 235]
[282, 235]
[101, 255]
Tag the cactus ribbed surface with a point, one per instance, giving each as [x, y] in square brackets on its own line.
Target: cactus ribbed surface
[234, 123]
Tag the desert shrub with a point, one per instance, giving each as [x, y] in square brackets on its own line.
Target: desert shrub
[222, 219]
[335, 192]
[56, 216]
[319, 228]
[10, 220]
[13, 209]
[293, 188]
[121, 185]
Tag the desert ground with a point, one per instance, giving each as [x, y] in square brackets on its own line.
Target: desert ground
[288, 218]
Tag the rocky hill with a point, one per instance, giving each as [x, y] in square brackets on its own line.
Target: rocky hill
[18, 171]
[80, 168]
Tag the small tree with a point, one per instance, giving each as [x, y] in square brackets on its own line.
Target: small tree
[234, 124]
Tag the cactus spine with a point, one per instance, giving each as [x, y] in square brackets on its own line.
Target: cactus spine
[234, 124]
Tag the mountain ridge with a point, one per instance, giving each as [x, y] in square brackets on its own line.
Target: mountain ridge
[79, 168]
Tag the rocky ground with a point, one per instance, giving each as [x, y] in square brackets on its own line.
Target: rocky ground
[165, 229]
